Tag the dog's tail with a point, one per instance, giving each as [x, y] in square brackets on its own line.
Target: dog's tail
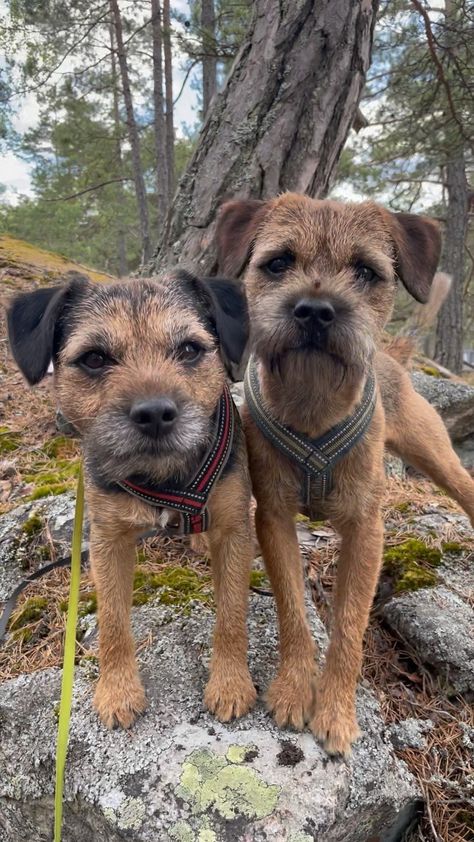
[404, 346]
[425, 314]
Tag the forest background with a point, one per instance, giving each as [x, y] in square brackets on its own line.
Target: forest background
[111, 107]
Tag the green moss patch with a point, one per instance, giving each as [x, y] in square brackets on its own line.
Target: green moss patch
[87, 604]
[177, 586]
[432, 372]
[32, 610]
[60, 447]
[41, 265]
[453, 548]
[402, 507]
[258, 579]
[33, 526]
[311, 524]
[9, 441]
[49, 482]
[411, 565]
[172, 586]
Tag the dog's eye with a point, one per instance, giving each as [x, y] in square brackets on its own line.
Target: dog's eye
[279, 265]
[189, 352]
[365, 273]
[93, 360]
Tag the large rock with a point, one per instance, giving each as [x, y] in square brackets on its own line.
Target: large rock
[453, 400]
[179, 775]
[439, 625]
[23, 531]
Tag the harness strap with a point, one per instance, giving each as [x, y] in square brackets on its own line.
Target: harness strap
[316, 457]
[191, 501]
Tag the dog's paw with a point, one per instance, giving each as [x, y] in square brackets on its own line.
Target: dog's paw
[229, 695]
[118, 703]
[290, 698]
[336, 730]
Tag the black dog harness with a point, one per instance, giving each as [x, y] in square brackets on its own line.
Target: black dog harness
[191, 501]
[315, 457]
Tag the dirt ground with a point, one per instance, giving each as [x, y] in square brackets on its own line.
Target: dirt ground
[30, 447]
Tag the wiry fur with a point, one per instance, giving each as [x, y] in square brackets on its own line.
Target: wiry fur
[311, 379]
[139, 326]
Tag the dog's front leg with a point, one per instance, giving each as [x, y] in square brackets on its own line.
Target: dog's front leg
[290, 695]
[230, 691]
[119, 694]
[334, 722]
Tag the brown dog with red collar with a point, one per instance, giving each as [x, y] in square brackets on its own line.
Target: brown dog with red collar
[320, 280]
[139, 372]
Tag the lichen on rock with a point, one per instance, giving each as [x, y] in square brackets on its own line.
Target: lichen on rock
[211, 782]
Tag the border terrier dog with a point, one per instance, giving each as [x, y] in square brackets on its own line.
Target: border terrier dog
[139, 372]
[320, 281]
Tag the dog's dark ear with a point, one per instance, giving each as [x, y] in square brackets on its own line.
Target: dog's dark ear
[237, 225]
[228, 309]
[417, 251]
[33, 326]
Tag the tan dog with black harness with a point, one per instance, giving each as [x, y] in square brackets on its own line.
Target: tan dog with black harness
[323, 400]
[139, 372]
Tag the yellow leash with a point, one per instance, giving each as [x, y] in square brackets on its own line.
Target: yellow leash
[69, 657]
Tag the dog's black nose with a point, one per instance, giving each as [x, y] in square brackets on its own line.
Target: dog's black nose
[316, 311]
[154, 417]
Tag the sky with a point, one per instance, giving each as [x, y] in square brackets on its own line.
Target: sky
[15, 173]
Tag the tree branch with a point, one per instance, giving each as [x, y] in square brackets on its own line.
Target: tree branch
[438, 65]
[88, 190]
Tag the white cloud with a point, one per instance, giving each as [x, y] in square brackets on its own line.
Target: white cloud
[15, 176]
[27, 113]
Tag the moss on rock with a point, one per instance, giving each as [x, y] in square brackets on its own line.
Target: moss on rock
[49, 482]
[411, 564]
[258, 578]
[33, 525]
[178, 586]
[431, 371]
[453, 548]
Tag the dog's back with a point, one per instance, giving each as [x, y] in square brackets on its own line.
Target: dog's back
[392, 362]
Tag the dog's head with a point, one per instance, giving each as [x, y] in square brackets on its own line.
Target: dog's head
[321, 275]
[139, 365]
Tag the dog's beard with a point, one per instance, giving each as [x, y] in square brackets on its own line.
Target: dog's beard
[115, 450]
[346, 349]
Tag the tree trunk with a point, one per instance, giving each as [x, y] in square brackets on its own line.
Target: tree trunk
[121, 242]
[132, 131]
[449, 333]
[209, 61]
[169, 99]
[159, 122]
[281, 121]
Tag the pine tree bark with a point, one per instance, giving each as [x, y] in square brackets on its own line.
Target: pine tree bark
[159, 120]
[132, 132]
[281, 121]
[449, 332]
[209, 61]
[121, 239]
[169, 100]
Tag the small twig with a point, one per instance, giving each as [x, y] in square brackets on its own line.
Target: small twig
[436, 836]
[88, 189]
